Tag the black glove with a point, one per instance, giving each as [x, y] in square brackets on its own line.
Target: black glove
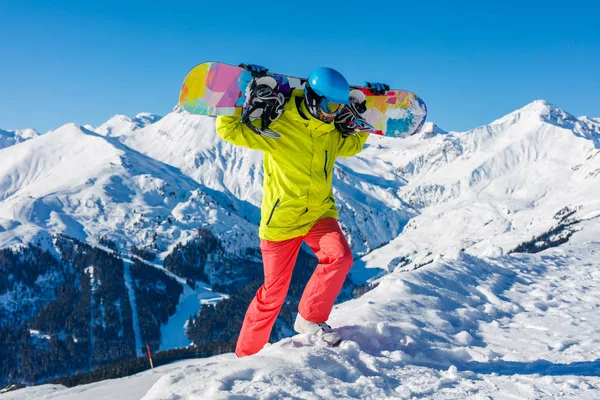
[377, 88]
[256, 70]
[350, 119]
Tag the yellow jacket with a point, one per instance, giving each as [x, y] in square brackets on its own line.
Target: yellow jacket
[297, 168]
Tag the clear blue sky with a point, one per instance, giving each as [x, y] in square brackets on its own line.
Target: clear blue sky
[472, 62]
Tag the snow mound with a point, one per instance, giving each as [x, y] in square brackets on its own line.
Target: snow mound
[458, 328]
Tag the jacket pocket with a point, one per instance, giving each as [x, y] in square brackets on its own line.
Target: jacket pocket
[325, 166]
[273, 211]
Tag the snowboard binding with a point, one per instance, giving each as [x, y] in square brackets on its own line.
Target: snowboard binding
[263, 100]
[350, 119]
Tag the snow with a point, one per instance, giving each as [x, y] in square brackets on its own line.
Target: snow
[489, 189]
[38, 335]
[433, 220]
[516, 326]
[190, 143]
[76, 182]
[120, 124]
[137, 332]
[132, 387]
[190, 302]
[10, 138]
[519, 326]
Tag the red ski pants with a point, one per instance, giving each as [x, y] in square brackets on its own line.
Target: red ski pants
[335, 259]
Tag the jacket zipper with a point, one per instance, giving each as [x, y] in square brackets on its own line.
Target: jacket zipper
[272, 211]
[325, 167]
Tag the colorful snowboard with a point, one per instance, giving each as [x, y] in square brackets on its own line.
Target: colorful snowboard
[213, 89]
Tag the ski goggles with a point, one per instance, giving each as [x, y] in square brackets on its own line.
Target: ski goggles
[329, 107]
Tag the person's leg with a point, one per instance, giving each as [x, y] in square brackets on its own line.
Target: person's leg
[278, 261]
[331, 248]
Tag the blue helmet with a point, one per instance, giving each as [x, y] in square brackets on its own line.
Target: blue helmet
[326, 92]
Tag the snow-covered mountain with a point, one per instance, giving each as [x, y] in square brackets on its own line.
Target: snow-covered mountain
[430, 129]
[507, 181]
[371, 211]
[77, 182]
[9, 138]
[489, 189]
[472, 318]
[121, 123]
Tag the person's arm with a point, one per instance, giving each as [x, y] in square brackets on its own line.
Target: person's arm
[235, 132]
[352, 145]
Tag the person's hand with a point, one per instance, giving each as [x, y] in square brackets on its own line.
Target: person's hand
[350, 119]
[256, 70]
[377, 88]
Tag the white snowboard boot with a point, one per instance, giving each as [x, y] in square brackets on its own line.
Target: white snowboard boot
[319, 329]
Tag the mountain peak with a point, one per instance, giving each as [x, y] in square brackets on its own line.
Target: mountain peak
[145, 115]
[430, 129]
[9, 138]
[119, 124]
[542, 108]
[146, 118]
[538, 110]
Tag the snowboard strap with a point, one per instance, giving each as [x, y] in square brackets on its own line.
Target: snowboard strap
[269, 104]
[264, 131]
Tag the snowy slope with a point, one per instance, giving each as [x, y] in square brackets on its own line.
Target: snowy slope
[507, 179]
[88, 186]
[190, 144]
[10, 138]
[490, 189]
[462, 325]
[517, 326]
[486, 191]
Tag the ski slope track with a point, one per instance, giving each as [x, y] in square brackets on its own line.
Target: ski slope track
[434, 221]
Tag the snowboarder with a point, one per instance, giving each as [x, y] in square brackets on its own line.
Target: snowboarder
[315, 126]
